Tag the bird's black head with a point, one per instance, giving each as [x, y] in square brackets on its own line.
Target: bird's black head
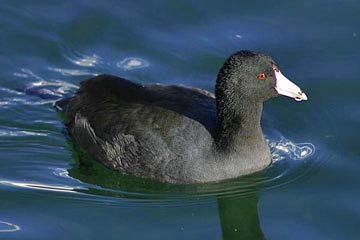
[254, 76]
[247, 75]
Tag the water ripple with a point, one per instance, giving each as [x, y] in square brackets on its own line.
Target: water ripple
[118, 186]
[5, 102]
[80, 59]
[94, 60]
[287, 149]
[48, 89]
[13, 132]
[86, 61]
[27, 73]
[61, 172]
[131, 63]
[46, 187]
[72, 72]
[8, 227]
[11, 91]
[94, 188]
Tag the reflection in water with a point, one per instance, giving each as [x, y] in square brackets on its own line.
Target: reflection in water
[239, 218]
[237, 200]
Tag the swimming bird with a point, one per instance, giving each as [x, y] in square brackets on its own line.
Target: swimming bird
[179, 134]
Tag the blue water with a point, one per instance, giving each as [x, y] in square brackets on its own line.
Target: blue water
[311, 191]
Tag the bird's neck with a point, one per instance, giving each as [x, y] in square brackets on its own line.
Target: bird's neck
[238, 125]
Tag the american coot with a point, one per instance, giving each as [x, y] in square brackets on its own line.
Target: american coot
[180, 134]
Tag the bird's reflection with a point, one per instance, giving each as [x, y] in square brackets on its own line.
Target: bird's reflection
[238, 214]
[239, 218]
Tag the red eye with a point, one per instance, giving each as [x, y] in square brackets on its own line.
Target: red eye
[261, 76]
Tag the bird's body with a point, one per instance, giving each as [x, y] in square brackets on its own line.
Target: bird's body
[168, 133]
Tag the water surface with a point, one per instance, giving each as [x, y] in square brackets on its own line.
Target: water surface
[48, 47]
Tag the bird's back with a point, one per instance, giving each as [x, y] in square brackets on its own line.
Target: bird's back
[151, 131]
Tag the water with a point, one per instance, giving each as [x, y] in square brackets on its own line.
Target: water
[311, 190]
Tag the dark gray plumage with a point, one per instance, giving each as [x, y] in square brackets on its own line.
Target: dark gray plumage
[177, 134]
